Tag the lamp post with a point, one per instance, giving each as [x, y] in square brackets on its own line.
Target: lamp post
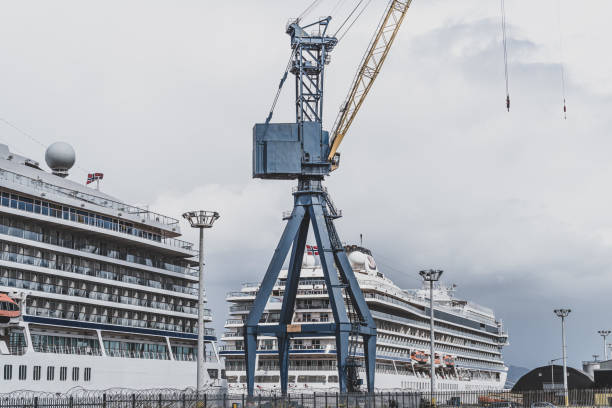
[431, 276]
[552, 373]
[604, 334]
[201, 220]
[563, 313]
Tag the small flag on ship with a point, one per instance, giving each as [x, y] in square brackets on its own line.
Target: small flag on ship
[312, 250]
[91, 177]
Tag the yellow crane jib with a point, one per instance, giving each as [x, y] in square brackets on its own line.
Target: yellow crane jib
[369, 68]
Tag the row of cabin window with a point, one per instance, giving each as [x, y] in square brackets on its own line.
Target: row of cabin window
[73, 214]
[86, 243]
[63, 373]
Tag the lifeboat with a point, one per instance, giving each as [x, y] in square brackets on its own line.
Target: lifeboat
[449, 361]
[420, 357]
[9, 309]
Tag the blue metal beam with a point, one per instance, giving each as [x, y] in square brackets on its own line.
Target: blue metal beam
[369, 348]
[291, 287]
[334, 288]
[250, 333]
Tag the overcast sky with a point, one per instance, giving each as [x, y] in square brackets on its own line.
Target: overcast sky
[161, 97]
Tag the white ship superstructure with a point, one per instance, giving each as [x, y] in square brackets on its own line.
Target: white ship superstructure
[468, 338]
[107, 292]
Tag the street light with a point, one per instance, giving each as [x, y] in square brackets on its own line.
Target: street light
[431, 276]
[563, 313]
[201, 220]
[552, 373]
[604, 334]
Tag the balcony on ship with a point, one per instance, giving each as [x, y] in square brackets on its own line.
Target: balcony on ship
[85, 218]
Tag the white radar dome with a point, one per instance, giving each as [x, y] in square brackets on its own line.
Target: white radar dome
[60, 157]
[308, 261]
[357, 258]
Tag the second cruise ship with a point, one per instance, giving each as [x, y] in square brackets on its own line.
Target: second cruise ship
[468, 337]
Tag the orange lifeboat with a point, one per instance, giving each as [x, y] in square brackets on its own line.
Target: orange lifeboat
[437, 359]
[420, 357]
[449, 361]
[9, 309]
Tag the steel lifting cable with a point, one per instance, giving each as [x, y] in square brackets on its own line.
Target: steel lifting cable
[280, 87]
[32, 138]
[308, 10]
[561, 60]
[353, 22]
[23, 132]
[505, 43]
[348, 18]
[337, 7]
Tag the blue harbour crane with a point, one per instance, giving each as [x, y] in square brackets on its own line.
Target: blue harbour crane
[302, 151]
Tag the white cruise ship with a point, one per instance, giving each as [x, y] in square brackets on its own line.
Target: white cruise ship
[468, 338]
[101, 294]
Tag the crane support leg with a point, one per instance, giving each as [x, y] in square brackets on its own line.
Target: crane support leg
[369, 348]
[283, 356]
[265, 289]
[361, 307]
[250, 347]
[291, 286]
[310, 206]
[342, 343]
[334, 287]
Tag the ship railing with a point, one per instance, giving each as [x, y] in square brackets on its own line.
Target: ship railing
[480, 308]
[184, 357]
[311, 292]
[39, 185]
[48, 288]
[293, 367]
[311, 320]
[208, 356]
[47, 238]
[477, 365]
[239, 294]
[241, 308]
[61, 314]
[147, 355]
[95, 220]
[414, 294]
[56, 349]
[281, 284]
[17, 349]
[389, 299]
[44, 263]
[307, 347]
[227, 347]
[438, 329]
[234, 321]
[251, 284]
[448, 349]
